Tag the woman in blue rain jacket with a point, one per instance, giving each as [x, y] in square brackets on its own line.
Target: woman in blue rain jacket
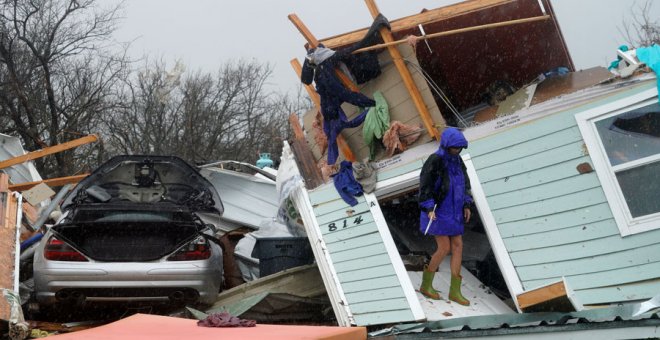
[445, 201]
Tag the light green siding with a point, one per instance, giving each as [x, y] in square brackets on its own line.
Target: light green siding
[555, 221]
[361, 261]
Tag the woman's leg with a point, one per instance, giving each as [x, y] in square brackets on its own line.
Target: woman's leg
[456, 278]
[429, 271]
[456, 254]
[442, 244]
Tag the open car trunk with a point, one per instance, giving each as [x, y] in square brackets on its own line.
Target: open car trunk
[126, 241]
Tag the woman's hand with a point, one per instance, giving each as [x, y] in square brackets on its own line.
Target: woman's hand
[432, 215]
[467, 214]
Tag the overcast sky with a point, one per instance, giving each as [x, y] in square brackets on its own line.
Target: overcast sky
[206, 33]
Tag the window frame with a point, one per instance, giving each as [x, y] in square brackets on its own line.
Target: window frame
[586, 122]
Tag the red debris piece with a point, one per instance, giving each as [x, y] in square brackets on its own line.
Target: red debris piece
[225, 319]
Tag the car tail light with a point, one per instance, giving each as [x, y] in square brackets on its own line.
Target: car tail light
[195, 250]
[57, 250]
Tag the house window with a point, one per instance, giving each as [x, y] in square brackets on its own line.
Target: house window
[623, 139]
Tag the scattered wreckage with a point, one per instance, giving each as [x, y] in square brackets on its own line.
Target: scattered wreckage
[561, 161]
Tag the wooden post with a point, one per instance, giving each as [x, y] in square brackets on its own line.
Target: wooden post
[52, 182]
[405, 75]
[8, 206]
[304, 158]
[341, 142]
[48, 151]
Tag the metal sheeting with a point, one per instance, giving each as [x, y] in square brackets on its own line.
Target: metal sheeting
[248, 199]
[531, 323]
[11, 147]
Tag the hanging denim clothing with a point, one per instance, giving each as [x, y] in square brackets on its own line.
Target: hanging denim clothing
[346, 185]
[320, 66]
[445, 185]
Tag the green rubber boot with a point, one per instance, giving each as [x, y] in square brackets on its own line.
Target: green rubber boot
[427, 285]
[455, 291]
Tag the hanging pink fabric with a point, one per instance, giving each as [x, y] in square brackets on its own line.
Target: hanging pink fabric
[399, 136]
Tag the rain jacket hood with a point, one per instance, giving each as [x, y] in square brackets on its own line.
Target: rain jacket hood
[452, 138]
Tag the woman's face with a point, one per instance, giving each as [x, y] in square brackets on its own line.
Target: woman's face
[455, 151]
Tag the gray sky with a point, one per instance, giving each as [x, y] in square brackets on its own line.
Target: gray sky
[206, 33]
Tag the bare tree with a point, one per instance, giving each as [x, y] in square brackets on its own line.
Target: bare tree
[201, 117]
[57, 74]
[642, 30]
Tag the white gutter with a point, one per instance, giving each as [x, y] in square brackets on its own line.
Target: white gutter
[17, 255]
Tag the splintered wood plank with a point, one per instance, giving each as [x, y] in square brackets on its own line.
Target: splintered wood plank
[304, 158]
[52, 182]
[48, 151]
[434, 15]
[551, 298]
[8, 247]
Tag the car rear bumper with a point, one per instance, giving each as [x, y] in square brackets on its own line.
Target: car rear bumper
[67, 282]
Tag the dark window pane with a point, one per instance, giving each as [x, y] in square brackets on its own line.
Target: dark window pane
[631, 135]
[641, 189]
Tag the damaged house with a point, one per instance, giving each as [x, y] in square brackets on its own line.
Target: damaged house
[563, 165]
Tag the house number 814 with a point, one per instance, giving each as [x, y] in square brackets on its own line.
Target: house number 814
[333, 226]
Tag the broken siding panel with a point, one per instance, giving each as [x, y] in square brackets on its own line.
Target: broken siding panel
[355, 242]
[586, 215]
[580, 233]
[375, 294]
[625, 275]
[573, 251]
[524, 148]
[550, 206]
[522, 181]
[536, 161]
[384, 317]
[371, 286]
[543, 192]
[542, 207]
[632, 291]
[524, 132]
[630, 257]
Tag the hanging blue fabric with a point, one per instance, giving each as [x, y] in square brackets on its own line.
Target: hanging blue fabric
[346, 185]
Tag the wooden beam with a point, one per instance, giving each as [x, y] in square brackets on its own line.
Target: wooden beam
[405, 75]
[412, 21]
[304, 157]
[341, 142]
[295, 126]
[311, 40]
[52, 182]
[554, 297]
[8, 213]
[542, 294]
[48, 151]
[457, 31]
